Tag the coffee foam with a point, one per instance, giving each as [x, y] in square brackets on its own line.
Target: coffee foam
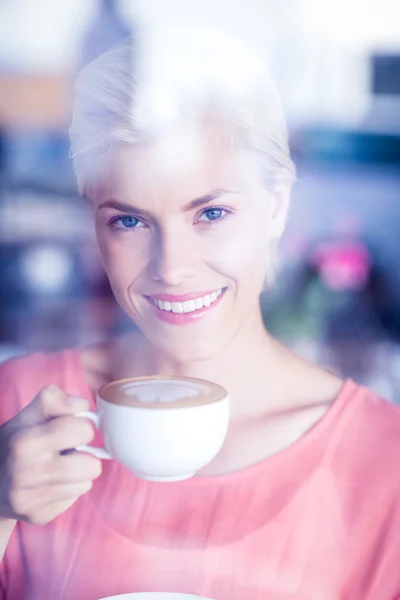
[162, 391]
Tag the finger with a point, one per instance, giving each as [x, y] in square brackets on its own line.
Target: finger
[67, 432]
[68, 491]
[30, 502]
[60, 470]
[76, 468]
[46, 514]
[50, 402]
[42, 442]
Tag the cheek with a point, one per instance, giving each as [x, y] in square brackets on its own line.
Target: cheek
[107, 250]
[123, 258]
[242, 255]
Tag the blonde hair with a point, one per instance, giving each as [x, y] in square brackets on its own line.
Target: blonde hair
[162, 76]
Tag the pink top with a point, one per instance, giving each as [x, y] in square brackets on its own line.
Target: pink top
[320, 520]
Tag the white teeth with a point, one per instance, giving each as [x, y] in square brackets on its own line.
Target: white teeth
[198, 303]
[207, 300]
[189, 305]
[177, 307]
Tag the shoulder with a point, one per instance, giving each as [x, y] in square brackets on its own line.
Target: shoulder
[23, 377]
[375, 419]
[367, 448]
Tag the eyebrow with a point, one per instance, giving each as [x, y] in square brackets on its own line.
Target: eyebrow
[196, 203]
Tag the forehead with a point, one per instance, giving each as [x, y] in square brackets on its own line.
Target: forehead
[185, 162]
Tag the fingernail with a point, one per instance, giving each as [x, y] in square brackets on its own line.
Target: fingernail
[77, 402]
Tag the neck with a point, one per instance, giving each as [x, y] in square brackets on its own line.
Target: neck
[251, 367]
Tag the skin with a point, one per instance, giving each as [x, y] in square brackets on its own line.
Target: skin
[175, 248]
[36, 483]
[276, 396]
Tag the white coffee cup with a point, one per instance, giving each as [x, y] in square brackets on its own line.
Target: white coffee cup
[161, 428]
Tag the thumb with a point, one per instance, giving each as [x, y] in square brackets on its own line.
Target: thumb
[50, 402]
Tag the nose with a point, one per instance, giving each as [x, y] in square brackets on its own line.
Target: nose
[173, 260]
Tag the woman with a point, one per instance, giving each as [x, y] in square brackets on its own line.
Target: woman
[179, 143]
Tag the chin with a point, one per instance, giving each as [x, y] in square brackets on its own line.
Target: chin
[189, 351]
[194, 355]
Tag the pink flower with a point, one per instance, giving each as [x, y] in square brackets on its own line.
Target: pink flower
[343, 265]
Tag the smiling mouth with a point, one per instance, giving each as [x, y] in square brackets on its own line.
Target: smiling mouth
[188, 306]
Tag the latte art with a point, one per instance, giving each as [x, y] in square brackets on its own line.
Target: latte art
[162, 391]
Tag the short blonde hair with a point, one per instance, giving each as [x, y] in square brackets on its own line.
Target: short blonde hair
[161, 76]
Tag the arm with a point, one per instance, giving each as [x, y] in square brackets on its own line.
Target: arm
[37, 482]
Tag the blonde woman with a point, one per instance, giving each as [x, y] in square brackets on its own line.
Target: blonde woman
[179, 143]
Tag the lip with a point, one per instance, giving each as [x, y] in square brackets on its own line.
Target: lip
[182, 297]
[182, 318]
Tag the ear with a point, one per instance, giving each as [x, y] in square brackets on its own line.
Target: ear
[280, 209]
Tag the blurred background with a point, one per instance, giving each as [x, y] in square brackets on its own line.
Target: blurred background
[337, 65]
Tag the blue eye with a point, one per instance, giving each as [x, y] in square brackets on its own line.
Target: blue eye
[213, 214]
[126, 222]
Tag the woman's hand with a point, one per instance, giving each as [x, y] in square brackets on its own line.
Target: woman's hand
[37, 481]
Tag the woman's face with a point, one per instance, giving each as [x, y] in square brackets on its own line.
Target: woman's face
[183, 231]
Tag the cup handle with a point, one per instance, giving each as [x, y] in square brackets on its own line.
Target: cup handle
[97, 452]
